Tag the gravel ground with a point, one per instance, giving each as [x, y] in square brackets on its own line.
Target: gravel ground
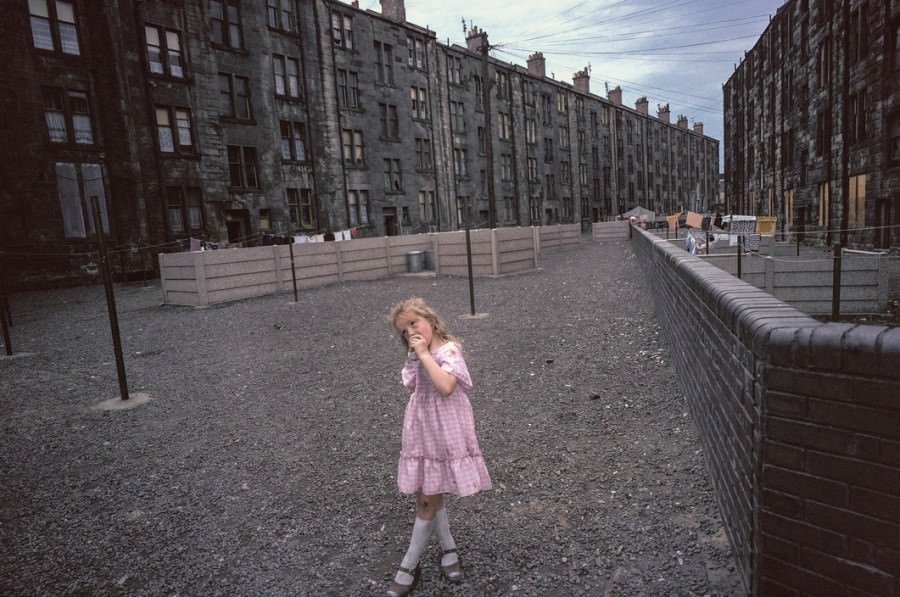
[264, 462]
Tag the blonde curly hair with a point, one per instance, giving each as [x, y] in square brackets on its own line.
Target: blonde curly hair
[416, 306]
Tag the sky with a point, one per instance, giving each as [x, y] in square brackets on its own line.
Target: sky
[679, 52]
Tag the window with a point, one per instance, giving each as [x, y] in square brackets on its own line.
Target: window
[551, 186]
[423, 154]
[857, 196]
[53, 26]
[293, 141]
[502, 85]
[548, 149]
[893, 126]
[457, 117]
[561, 105]
[508, 208]
[565, 173]
[184, 210]
[393, 176]
[505, 166]
[824, 63]
[287, 76]
[358, 208]
[242, 167]
[563, 137]
[419, 99]
[416, 49]
[824, 204]
[505, 126]
[460, 166]
[454, 68]
[352, 141]
[530, 131]
[384, 63]
[390, 122]
[76, 184]
[823, 133]
[546, 109]
[532, 170]
[164, 51]
[280, 15]
[300, 208]
[348, 88]
[68, 116]
[859, 34]
[426, 205]
[173, 128]
[479, 93]
[226, 23]
[482, 141]
[342, 30]
[235, 93]
[582, 174]
[857, 120]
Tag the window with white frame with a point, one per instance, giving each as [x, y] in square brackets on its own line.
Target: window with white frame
[358, 207]
[348, 88]
[352, 141]
[342, 30]
[173, 130]
[563, 137]
[164, 54]
[502, 85]
[530, 131]
[565, 173]
[225, 23]
[53, 26]
[293, 141]
[242, 167]
[280, 15]
[532, 169]
[287, 76]
[505, 166]
[68, 116]
[561, 104]
[482, 141]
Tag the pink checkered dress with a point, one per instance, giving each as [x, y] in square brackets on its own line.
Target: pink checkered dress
[439, 451]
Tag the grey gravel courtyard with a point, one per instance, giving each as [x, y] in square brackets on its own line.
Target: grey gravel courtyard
[264, 461]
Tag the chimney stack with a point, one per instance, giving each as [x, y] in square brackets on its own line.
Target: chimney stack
[394, 10]
[698, 128]
[536, 65]
[682, 121]
[582, 81]
[641, 105]
[662, 112]
[615, 96]
[475, 39]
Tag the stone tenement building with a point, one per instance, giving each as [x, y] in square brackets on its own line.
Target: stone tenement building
[228, 119]
[812, 123]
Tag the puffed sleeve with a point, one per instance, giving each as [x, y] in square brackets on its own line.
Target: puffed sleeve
[408, 374]
[452, 362]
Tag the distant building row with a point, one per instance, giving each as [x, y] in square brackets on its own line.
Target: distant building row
[812, 123]
[227, 119]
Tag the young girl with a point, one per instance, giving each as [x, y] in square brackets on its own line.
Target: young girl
[439, 451]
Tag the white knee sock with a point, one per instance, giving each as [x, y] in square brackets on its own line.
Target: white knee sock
[442, 530]
[422, 530]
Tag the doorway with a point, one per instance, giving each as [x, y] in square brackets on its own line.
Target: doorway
[390, 221]
[237, 222]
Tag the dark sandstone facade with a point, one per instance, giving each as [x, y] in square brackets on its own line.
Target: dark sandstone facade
[225, 120]
[812, 123]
